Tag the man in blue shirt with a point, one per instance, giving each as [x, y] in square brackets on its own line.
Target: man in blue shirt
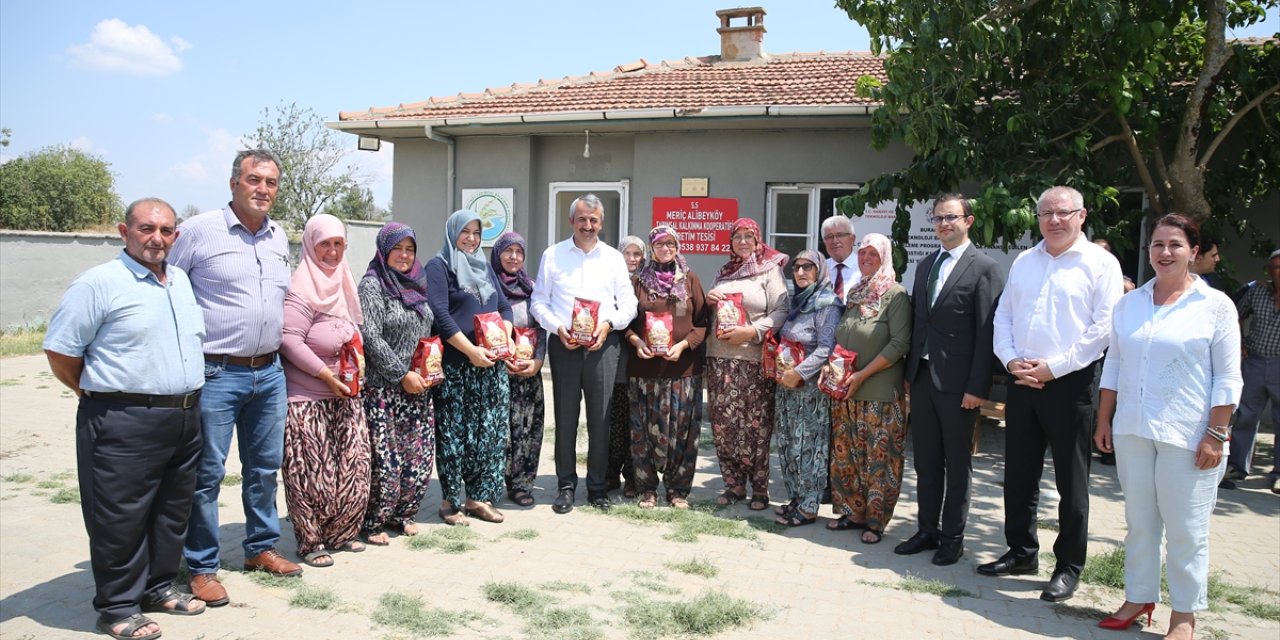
[126, 338]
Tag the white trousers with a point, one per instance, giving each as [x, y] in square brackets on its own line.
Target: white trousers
[1166, 496]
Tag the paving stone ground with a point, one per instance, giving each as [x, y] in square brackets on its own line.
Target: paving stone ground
[812, 583]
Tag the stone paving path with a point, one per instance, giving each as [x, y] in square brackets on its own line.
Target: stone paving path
[813, 583]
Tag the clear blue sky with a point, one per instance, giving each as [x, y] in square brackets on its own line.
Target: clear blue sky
[164, 90]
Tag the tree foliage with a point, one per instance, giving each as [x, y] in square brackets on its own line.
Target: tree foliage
[1102, 95]
[57, 189]
[310, 155]
[355, 202]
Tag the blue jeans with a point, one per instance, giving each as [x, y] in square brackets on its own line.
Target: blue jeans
[251, 402]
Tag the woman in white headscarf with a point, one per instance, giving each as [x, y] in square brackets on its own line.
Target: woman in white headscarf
[632, 248]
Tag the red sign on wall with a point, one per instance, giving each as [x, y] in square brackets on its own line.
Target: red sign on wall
[703, 223]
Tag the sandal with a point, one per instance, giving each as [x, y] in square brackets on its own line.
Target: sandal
[796, 519]
[876, 537]
[648, 501]
[759, 502]
[845, 523]
[318, 559]
[453, 517]
[730, 497]
[135, 622]
[352, 546]
[784, 509]
[521, 497]
[181, 604]
[486, 512]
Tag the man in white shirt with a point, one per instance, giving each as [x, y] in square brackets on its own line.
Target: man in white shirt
[839, 239]
[582, 267]
[1051, 328]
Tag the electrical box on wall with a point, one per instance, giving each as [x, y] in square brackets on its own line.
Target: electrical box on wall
[693, 187]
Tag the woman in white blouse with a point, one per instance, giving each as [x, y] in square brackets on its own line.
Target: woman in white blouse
[1170, 382]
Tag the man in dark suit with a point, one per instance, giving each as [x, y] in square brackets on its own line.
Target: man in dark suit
[949, 375]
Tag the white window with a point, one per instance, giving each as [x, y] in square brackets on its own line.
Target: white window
[613, 195]
[795, 213]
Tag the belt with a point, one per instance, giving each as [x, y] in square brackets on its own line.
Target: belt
[180, 401]
[253, 362]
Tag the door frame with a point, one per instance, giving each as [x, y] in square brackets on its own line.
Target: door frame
[621, 187]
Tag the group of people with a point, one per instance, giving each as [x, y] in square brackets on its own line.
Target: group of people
[198, 331]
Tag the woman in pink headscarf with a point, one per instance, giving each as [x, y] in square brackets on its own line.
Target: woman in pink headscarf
[326, 440]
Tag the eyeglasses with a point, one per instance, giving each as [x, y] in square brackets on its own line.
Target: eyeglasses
[743, 237]
[937, 220]
[665, 244]
[836, 236]
[1057, 215]
[808, 266]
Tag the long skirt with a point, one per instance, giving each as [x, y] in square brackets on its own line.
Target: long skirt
[402, 430]
[665, 422]
[866, 464]
[528, 412]
[326, 471]
[472, 414]
[803, 426]
[740, 403]
[620, 434]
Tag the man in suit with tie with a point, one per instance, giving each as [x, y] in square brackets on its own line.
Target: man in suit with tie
[949, 375]
[839, 240]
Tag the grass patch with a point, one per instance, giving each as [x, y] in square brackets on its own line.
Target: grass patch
[313, 597]
[1255, 602]
[49, 484]
[696, 567]
[1105, 569]
[706, 441]
[19, 478]
[1047, 526]
[521, 534]
[1082, 612]
[708, 614]
[688, 525]
[264, 579]
[65, 495]
[10, 382]
[231, 479]
[562, 585]
[936, 587]
[653, 581]
[26, 341]
[445, 540]
[562, 623]
[410, 613]
[581, 459]
[515, 596]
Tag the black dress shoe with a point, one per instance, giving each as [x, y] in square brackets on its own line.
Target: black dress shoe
[600, 502]
[1061, 587]
[949, 553]
[921, 541]
[1108, 459]
[1009, 564]
[564, 501]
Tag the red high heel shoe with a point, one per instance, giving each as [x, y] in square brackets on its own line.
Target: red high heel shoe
[1122, 624]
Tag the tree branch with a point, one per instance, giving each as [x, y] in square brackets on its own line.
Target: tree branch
[1162, 169]
[1101, 114]
[1216, 55]
[1140, 163]
[1119, 137]
[1226, 129]
[1003, 10]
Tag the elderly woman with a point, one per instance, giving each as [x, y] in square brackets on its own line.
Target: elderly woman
[869, 426]
[665, 389]
[802, 413]
[472, 404]
[1170, 382]
[524, 444]
[739, 397]
[393, 295]
[326, 440]
[632, 249]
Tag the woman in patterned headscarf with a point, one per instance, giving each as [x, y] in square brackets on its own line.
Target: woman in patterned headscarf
[524, 445]
[802, 412]
[633, 249]
[472, 404]
[393, 294]
[739, 397]
[665, 389]
[869, 427]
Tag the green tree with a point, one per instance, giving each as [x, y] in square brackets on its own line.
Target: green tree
[1102, 95]
[310, 155]
[355, 202]
[57, 189]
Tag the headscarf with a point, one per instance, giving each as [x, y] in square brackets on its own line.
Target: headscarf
[409, 287]
[328, 290]
[865, 296]
[518, 285]
[819, 295]
[470, 269]
[665, 280]
[763, 259]
[633, 240]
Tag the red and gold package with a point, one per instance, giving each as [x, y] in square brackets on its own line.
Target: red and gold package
[526, 343]
[730, 312]
[586, 314]
[351, 363]
[790, 354]
[428, 360]
[769, 356]
[658, 329]
[491, 334]
[840, 364]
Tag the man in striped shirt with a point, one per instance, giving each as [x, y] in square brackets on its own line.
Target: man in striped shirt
[238, 261]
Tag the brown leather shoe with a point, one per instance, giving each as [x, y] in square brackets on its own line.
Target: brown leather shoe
[273, 563]
[206, 586]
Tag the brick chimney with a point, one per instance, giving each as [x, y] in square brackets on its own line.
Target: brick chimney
[745, 41]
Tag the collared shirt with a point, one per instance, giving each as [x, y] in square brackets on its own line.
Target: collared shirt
[240, 279]
[1258, 302]
[566, 272]
[1170, 364]
[947, 267]
[852, 274]
[135, 334]
[1058, 309]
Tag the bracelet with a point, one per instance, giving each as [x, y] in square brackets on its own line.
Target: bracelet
[1220, 437]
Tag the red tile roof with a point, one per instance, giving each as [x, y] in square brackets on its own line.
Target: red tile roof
[796, 79]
